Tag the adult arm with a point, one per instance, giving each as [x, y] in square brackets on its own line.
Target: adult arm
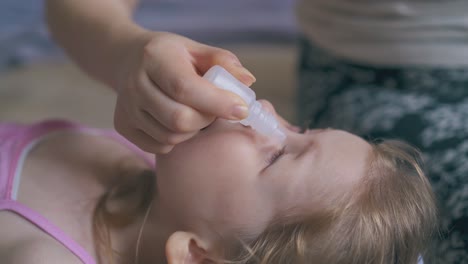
[162, 99]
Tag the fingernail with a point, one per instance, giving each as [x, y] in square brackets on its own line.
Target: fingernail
[237, 63]
[239, 112]
[248, 74]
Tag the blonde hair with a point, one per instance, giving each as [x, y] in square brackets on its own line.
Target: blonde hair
[389, 218]
[122, 204]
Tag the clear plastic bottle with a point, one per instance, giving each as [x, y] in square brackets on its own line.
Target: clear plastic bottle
[259, 119]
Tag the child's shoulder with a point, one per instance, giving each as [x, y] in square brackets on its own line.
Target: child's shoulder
[18, 130]
[38, 252]
[21, 244]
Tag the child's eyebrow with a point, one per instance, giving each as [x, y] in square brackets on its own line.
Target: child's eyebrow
[307, 149]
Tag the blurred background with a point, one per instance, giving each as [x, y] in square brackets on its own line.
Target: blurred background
[37, 81]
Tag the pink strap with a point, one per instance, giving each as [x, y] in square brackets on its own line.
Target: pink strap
[48, 228]
[32, 134]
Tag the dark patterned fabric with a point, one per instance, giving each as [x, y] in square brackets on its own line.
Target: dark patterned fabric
[425, 106]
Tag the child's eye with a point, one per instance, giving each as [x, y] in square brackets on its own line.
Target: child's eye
[273, 158]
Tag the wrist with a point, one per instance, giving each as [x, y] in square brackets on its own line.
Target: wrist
[123, 42]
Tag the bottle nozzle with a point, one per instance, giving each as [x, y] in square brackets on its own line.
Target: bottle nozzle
[279, 134]
[259, 119]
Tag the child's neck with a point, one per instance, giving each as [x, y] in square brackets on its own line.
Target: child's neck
[155, 232]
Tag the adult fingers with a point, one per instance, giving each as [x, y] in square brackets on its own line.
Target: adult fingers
[158, 132]
[181, 82]
[207, 56]
[173, 115]
[137, 136]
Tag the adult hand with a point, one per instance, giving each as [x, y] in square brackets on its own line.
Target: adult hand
[162, 98]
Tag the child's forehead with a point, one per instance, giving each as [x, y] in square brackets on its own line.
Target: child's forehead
[334, 174]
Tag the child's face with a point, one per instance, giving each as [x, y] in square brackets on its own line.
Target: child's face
[227, 177]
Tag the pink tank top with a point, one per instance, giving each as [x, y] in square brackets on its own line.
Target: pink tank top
[16, 141]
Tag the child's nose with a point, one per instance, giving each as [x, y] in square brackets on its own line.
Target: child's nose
[268, 106]
[265, 141]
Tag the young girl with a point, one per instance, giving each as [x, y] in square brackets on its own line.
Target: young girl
[73, 194]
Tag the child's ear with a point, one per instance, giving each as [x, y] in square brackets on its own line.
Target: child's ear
[185, 248]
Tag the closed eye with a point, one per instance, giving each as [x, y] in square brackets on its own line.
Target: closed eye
[275, 156]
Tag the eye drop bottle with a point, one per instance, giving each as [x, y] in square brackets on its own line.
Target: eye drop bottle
[258, 118]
